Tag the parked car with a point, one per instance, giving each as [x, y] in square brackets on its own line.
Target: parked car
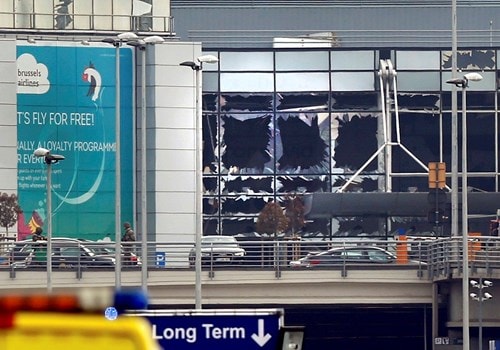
[362, 254]
[218, 250]
[66, 252]
[108, 249]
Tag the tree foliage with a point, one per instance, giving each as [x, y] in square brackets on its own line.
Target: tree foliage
[272, 219]
[9, 210]
[294, 211]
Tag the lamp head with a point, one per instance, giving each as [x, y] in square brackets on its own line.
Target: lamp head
[190, 64]
[154, 39]
[141, 44]
[109, 41]
[473, 76]
[41, 152]
[207, 59]
[458, 82]
[127, 36]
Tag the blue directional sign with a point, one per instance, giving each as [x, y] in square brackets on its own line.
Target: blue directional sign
[213, 329]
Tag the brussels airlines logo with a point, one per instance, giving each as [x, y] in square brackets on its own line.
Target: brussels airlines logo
[91, 75]
[32, 77]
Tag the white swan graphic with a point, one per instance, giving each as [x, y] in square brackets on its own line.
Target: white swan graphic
[91, 75]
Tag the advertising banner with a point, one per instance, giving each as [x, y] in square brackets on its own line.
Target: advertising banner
[66, 104]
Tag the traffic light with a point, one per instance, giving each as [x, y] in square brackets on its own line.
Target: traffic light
[437, 175]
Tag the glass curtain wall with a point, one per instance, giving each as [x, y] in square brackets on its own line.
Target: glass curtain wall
[282, 123]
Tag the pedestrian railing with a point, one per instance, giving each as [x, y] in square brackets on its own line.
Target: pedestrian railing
[433, 258]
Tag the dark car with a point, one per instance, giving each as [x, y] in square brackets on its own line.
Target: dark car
[348, 255]
[108, 249]
[66, 252]
[218, 250]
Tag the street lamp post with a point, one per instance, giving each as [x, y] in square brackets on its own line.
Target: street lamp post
[49, 159]
[117, 42]
[464, 83]
[198, 67]
[480, 297]
[141, 44]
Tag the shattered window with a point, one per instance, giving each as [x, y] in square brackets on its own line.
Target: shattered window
[210, 149]
[302, 184]
[302, 143]
[302, 102]
[480, 142]
[481, 135]
[246, 102]
[354, 141]
[247, 184]
[475, 100]
[305, 121]
[355, 101]
[470, 59]
[242, 205]
[247, 144]
[418, 101]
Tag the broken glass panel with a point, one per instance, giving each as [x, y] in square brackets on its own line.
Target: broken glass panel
[470, 59]
[362, 183]
[302, 143]
[210, 205]
[418, 101]
[355, 101]
[305, 102]
[210, 149]
[480, 142]
[247, 144]
[475, 100]
[247, 184]
[481, 184]
[239, 226]
[419, 136]
[210, 184]
[209, 102]
[210, 227]
[246, 102]
[302, 184]
[242, 205]
[354, 140]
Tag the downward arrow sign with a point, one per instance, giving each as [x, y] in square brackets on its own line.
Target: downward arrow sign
[261, 339]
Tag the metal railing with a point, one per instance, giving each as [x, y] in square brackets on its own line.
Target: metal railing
[39, 21]
[277, 255]
[433, 258]
[445, 256]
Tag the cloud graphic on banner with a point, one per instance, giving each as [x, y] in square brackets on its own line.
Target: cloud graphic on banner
[32, 77]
